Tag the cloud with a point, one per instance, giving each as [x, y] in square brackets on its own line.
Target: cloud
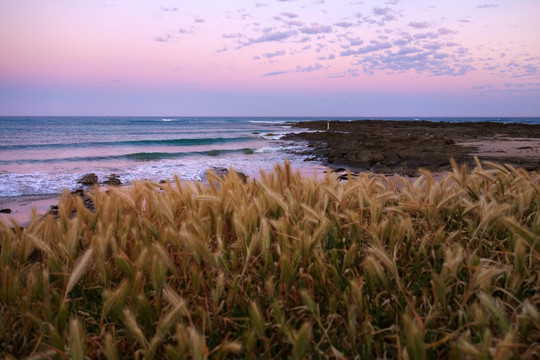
[387, 13]
[233, 36]
[432, 46]
[295, 23]
[356, 42]
[329, 57]
[446, 31]
[318, 2]
[487, 6]
[483, 87]
[304, 39]
[315, 28]
[419, 25]
[375, 46]
[275, 73]
[164, 38]
[199, 20]
[289, 15]
[270, 36]
[169, 9]
[344, 24]
[309, 68]
[427, 35]
[274, 54]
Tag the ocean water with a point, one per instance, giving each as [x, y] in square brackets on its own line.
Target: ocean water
[45, 155]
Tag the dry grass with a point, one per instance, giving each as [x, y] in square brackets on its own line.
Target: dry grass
[282, 267]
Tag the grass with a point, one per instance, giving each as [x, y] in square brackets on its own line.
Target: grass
[281, 267]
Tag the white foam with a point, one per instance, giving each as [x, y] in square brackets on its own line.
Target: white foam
[267, 122]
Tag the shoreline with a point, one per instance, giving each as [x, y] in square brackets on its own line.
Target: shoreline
[404, 147]
[380, 146]
[22, 207]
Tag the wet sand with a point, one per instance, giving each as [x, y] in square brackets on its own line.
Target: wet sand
[404, 147]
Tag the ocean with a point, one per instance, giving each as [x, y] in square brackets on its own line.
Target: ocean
[42, 156]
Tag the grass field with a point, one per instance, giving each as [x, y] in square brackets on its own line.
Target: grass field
[281, 267]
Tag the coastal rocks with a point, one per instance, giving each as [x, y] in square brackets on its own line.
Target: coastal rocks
[403, 147]
[221, 172]
[113, 180]
[91, 179]
[88, 203]
[88, 179]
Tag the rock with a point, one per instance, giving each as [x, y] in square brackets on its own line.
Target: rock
[88, 203]
[88, 179]
[113, 180]
[53, 210]
[242, 176]
[5, 211]
[220, 171]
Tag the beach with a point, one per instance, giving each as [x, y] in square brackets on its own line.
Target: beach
[380, 146]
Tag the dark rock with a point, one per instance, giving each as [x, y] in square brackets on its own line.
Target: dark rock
[5, 211]
[220, 171]
[113, 180]
[242, 176]
[88, 203]
[53, 210]
[88, 179]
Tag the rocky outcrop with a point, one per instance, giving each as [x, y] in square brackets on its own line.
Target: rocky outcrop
[88, 179]
[221, 172]
[400, 147]
[113, 180]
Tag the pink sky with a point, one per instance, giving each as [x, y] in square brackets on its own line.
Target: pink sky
[270, 58]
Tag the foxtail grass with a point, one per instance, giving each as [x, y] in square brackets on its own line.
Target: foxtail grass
[281, 267]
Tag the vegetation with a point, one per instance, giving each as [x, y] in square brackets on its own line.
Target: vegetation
[281, 267]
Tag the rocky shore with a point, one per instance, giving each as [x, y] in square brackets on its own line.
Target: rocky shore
[403, 147]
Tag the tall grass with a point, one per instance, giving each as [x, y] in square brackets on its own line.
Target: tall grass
[281, 267]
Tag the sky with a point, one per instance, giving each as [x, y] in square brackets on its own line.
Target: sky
[270, 58]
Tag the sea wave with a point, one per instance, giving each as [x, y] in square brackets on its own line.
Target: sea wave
[270, 122]
[139, 156]
[166, 142]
